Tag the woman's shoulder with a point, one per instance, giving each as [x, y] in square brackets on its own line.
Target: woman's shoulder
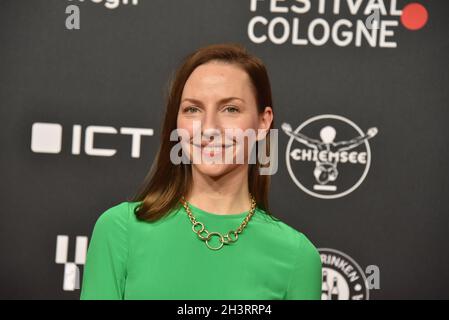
[125, 213]
[117, 215]
[298, 239]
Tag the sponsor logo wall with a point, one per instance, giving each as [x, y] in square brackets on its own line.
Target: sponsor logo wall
[361, 102]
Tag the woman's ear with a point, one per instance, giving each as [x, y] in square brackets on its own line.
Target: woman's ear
[265, 120]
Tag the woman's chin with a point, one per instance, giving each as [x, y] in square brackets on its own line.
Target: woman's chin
[213, 169]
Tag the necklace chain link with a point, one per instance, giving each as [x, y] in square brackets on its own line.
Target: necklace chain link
[205, 235]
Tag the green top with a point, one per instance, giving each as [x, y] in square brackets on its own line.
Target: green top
[132, 259]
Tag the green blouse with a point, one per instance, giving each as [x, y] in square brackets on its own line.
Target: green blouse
[132, 259]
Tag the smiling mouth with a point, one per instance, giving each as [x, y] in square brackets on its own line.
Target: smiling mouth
[211, 150]
[212, 146]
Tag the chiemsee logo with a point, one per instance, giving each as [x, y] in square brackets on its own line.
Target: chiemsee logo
[328, 156]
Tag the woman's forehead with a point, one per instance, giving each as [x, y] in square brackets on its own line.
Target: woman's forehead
[218, 81]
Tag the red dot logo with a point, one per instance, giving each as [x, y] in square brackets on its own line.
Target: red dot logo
[414, 16]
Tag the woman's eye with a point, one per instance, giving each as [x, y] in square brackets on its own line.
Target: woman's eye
[232, 109]
[190, 109]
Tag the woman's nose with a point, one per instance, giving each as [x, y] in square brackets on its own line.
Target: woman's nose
[210, 126]
[210, 122]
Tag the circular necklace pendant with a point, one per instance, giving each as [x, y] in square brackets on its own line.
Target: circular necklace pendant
[218, 234]
[230, 237]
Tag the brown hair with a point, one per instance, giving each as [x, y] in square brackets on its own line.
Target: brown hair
[166, 182]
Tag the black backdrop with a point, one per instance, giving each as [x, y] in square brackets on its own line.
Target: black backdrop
[112, 72]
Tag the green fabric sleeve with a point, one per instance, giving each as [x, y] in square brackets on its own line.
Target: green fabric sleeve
[105, 269]
[306, 278]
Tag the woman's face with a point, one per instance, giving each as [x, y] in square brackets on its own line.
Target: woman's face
[219, 96]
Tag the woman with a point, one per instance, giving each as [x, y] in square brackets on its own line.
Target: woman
[202, 230]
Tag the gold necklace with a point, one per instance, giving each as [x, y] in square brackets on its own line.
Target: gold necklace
[224, 239]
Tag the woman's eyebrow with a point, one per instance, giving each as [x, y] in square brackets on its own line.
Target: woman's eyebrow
[224, 100]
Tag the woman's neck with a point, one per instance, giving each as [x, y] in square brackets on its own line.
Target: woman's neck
[227, 194]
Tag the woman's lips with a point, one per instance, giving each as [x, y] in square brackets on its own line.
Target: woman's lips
[211, 150]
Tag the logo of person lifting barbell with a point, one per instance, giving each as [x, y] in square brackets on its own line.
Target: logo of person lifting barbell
[328, 156]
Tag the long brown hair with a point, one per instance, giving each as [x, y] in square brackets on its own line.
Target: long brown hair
[166, 182]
